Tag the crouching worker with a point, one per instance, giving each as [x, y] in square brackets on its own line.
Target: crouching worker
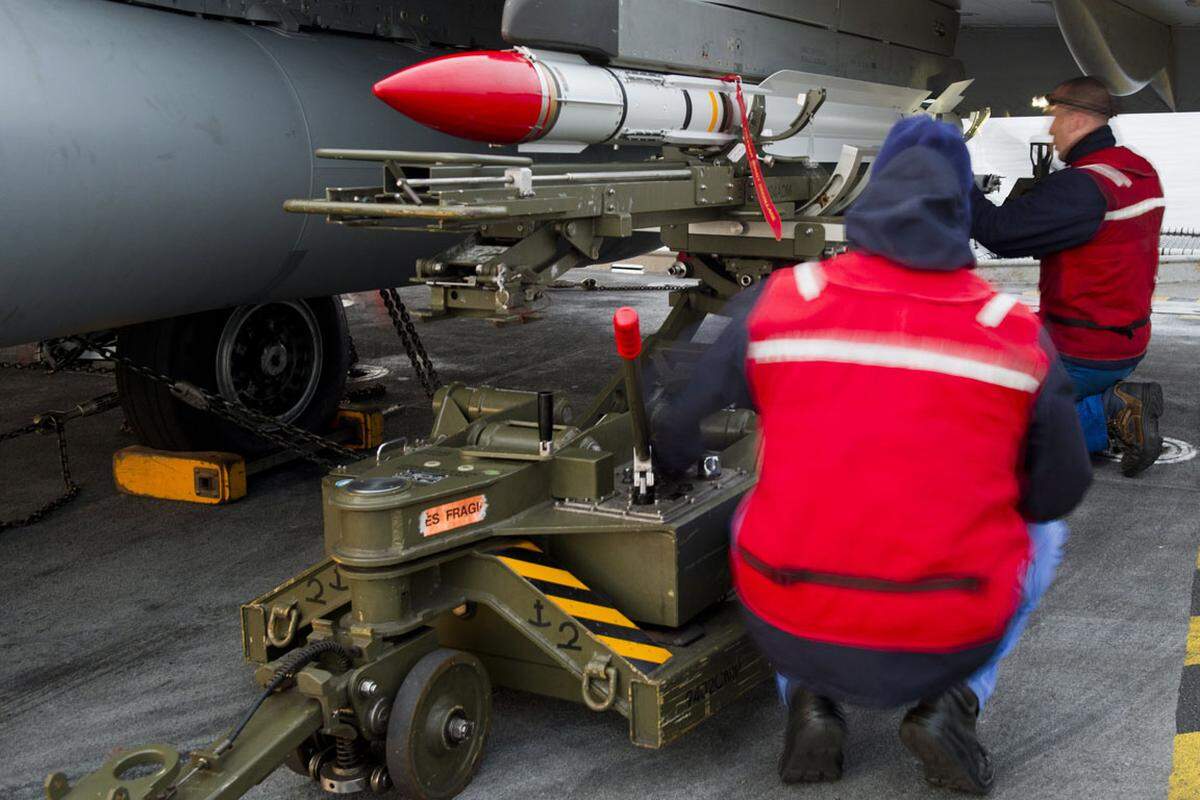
[919, 438]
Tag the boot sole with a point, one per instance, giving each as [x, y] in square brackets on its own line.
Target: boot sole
[1152, 447]
[816, 755]
[942, 767]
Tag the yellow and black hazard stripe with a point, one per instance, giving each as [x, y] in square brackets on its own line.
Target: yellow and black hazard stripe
[1185, 775]
[595, 612]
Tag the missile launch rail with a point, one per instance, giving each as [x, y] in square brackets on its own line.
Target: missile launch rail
[530, 223]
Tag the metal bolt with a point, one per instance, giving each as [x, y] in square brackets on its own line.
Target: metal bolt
[367, 687]
[611, 191]
[459, 729]
[377, 716]
[704, 186]
[571, 228]
[381, 781]
[808, 231]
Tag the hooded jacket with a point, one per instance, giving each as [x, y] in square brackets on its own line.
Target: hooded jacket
[817, 330]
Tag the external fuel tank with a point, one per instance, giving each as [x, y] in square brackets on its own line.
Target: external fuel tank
[144, 155]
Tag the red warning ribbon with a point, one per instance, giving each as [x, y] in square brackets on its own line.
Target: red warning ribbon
[765, 203]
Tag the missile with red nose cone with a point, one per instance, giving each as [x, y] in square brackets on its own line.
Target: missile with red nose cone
[559, 102]
[524, 96]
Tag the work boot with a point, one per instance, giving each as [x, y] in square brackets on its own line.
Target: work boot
[1133, 423]
[941, 734]
[812, 745]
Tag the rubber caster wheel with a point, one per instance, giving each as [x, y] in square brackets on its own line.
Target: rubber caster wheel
[439, 726]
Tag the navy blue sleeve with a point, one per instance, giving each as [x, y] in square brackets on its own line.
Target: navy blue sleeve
[1061, 211]
[718, 381]
[1058, 469]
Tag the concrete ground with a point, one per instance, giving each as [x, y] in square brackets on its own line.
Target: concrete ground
[120, 614]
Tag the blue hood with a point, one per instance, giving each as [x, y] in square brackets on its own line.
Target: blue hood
[916, 209]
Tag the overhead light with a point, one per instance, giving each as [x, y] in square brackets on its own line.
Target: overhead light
[1040, 102]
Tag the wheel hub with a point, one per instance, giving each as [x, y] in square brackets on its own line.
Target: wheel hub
[270, 357]
[274, 359]
[457, 728]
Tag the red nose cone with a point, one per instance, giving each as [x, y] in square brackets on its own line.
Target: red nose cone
[627, 332]
[488, 95]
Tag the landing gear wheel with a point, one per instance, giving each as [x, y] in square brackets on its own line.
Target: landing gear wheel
[439, 725]
[287, 359]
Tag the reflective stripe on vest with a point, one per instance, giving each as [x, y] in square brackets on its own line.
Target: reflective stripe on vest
[995, 310]
[897, 354]
[1112, 173]
[1137, 209]
[810, 280]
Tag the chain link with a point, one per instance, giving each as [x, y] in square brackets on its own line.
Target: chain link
[303, 443]
[42, 366]
[51, 422]
[47, 422]
[422, 365]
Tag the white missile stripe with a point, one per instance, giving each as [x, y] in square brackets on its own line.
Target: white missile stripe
[871, 354]
[995, 310]
[1112, 173]
[1137, 209]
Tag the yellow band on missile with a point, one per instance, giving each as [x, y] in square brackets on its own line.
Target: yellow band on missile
[712, 98]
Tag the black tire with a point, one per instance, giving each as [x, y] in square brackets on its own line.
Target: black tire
[186, 348]
[423, 761]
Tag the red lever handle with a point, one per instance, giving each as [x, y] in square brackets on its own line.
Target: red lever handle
[628, 333]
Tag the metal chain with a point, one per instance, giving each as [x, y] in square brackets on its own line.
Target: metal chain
[70, 488]
[304, 443]
[48, 422]
[411, 340]
[42, 366]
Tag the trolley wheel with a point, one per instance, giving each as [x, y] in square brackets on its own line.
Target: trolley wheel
[286, 359]
[439, 725]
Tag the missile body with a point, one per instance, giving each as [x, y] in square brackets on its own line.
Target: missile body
[558, 102]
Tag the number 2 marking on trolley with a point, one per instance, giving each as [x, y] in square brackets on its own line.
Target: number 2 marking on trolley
[317, 588]
[573, 632]
[318, 591]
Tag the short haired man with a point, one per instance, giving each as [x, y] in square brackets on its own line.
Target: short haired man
[1095, 226]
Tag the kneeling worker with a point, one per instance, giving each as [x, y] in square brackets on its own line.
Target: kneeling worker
[1095, 226]
[914, 422]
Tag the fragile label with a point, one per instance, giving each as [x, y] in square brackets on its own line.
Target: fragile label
[449, 516]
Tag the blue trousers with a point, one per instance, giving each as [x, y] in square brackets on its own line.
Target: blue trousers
[1090, 385]
[1045, 551]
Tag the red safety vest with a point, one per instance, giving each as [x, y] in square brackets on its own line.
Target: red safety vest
[1096, 297]
[894, 405]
